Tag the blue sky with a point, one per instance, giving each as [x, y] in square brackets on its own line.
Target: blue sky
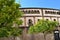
[40, 3]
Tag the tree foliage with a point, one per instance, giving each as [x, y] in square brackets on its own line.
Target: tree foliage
[9, 14]
[43, 26]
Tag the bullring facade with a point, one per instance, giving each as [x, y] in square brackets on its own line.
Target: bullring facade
[35, 14]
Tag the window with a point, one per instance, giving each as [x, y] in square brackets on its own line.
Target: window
[58, 13]
[50, 12]
[25, 11]
[38, 19]
[54, 19]
[38, 11]
[32, 11]
[28, 11]
[46, 12]
[30, 22]
[47, 19]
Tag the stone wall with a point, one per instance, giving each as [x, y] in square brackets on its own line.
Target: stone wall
[39, 36]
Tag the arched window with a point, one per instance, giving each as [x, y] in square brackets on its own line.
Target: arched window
[25, 11]
[29, 12]
[38, 19]
[38, 11]
[54, 19]
[47, 19]
[58, 13]
[30, 22]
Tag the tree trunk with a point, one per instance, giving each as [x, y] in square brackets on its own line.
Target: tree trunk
[14, 37]
[45, 36]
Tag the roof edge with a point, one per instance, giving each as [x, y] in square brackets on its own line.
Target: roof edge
[38, 8]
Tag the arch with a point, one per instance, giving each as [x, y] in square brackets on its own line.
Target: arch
[38, 19]
[25, 11]
[47, 19]
[30, 22]
[54, 19]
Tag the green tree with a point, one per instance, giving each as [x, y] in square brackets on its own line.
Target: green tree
[9, 15]
[43, 26]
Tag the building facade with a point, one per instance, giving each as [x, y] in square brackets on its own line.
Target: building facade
[33, 15]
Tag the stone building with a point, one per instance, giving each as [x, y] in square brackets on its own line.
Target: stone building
[33, 15]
